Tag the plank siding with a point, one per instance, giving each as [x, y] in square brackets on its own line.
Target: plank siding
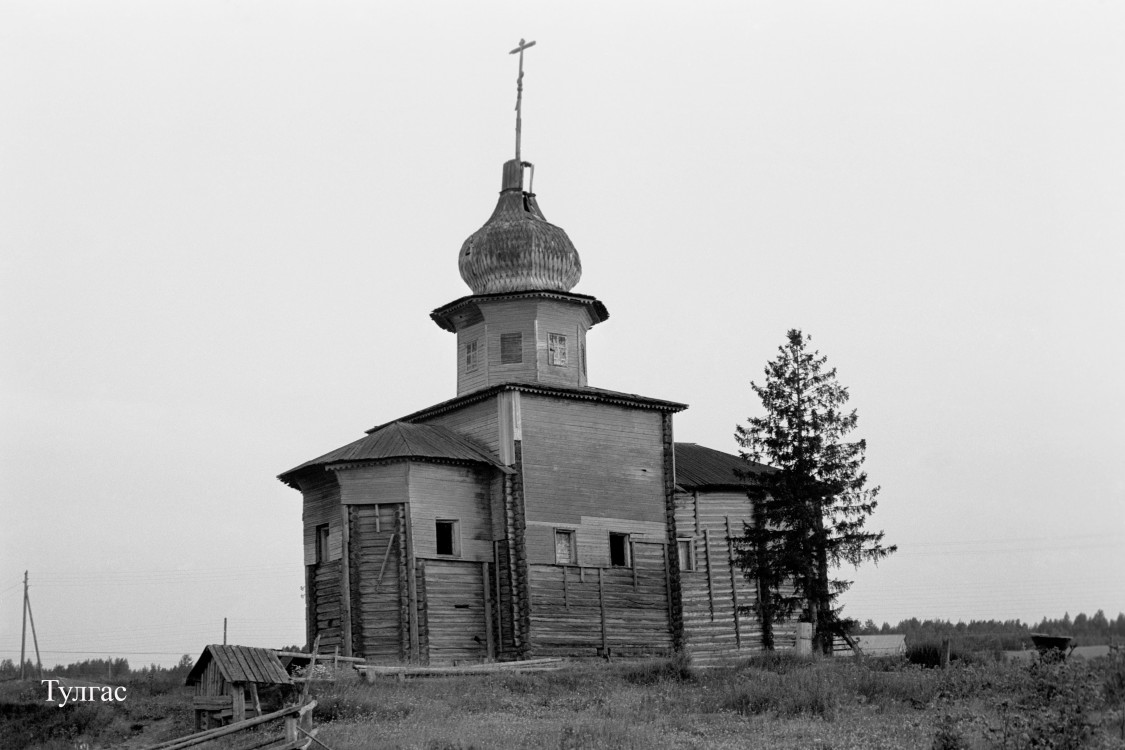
[476, 378]
[583, 458]
[459, 493]
[365, 485]
[570, 321]
[455, 611]
[321, 506]
[478, 421]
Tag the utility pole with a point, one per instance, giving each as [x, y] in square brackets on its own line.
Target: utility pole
[23, 632]
[28, 617]
[224, 631]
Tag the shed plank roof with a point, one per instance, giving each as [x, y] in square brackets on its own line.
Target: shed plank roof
[697, 466]
[241, 664]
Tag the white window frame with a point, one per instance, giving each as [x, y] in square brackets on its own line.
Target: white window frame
[472, 356]
[557, 349]
[572, 543]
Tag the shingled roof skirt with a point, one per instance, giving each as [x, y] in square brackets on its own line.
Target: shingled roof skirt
[444, 314]
[584, 393]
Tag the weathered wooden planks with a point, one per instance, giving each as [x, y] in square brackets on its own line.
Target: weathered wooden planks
[455, 613]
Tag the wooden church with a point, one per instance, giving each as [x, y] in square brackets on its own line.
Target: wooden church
[532, 514]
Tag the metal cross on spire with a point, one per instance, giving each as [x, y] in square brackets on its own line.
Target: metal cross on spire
[519, 92]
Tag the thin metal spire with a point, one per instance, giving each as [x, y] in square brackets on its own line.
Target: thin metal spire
[519, 93]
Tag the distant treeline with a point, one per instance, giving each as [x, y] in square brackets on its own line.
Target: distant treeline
[100, 669]
[1008, 635]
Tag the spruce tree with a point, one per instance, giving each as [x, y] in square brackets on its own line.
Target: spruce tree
[811, 509]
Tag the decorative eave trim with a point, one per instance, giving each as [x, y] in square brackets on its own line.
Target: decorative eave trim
[442, 315]
[360, 463]
[619, 399]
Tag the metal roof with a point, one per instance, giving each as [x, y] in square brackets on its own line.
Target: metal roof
[402, 440]
[241, 664]
[560, 391]
[697, 466]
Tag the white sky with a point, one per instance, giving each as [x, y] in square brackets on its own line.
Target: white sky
[223, 226]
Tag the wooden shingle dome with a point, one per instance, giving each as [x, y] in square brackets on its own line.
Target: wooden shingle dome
[517, 249]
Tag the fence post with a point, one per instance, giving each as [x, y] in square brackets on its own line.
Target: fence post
[944, 653]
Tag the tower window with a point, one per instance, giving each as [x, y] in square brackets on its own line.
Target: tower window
[448, 540]
[471, 360]
[511, 348]
[565, 553]
[619, 556]
[556, 349]
[322, 543]
[686, 551]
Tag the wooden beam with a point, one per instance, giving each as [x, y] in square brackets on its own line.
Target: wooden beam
[633, 562]
[601, 606]
[566, 598]
[345, 580]
[710, 581]
[487, 610]
[411, 586]
[499, 605]
[733, 586]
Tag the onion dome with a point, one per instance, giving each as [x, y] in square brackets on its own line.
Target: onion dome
[517, 249]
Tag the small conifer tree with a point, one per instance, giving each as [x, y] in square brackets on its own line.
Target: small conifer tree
[811, 509]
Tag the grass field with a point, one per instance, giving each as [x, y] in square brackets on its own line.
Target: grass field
[779, 702]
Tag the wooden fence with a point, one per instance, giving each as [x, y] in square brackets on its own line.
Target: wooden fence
[298, 733]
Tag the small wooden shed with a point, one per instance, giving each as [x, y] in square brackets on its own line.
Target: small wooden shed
[227, 680]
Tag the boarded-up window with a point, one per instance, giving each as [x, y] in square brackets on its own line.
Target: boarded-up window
[556, 349]
[564, 547]
[448, 540]
[322, 543]
[619, 550]
[471, 360]
[511, 348]
[686, 551]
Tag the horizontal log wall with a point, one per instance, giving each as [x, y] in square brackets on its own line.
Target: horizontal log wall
[376, 553]
[325, 602]
[579, 611]
[716, 597]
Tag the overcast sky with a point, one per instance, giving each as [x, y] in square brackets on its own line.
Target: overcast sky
[223, 226]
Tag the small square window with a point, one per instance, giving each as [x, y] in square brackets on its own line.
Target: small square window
[322, 543]
[471, 360]
[556, 349]
[619, 556]
[565, 553]
[686, 551]
[511, 348]
[448, 539]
